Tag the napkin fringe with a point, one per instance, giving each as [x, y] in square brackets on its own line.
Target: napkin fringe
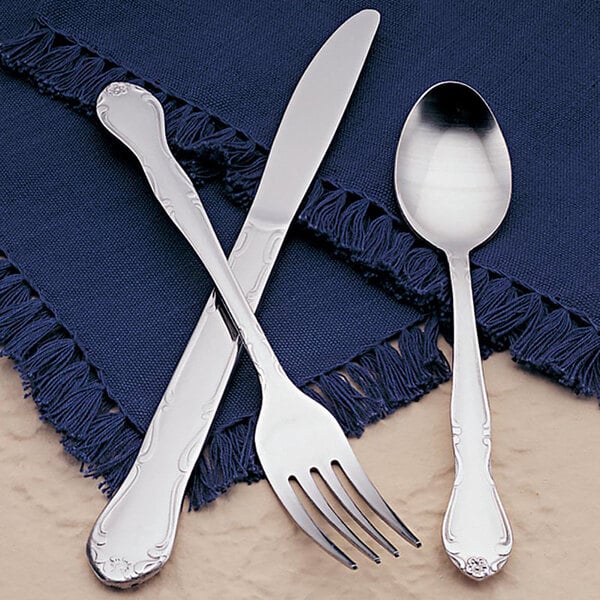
[540, 333]
[378, 244]
[71, 394]
[67, 69]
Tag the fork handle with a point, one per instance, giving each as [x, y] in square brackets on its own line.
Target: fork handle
[476, 532]
[135, 117]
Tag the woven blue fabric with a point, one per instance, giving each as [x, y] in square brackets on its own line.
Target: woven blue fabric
[119, 291]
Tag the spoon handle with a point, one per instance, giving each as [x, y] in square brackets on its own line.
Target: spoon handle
[476, 532]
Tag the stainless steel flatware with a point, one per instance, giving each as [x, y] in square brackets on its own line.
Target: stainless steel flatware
[133, 537]
[295, 436]
[453, 182]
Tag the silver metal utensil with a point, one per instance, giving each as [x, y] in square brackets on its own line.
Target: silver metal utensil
[453, 182]
[295, 436]
[133, 537]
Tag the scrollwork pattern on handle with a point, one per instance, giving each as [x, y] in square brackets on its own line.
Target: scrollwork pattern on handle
[476, 532]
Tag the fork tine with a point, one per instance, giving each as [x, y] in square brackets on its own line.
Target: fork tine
[307, 483]
[367, 490]
[335, 485]
[292, 504]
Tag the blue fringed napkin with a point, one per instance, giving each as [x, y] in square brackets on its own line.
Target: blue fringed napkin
[99, 294]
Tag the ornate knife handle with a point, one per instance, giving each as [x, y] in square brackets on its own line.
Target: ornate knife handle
[134, 535]
[476, 532]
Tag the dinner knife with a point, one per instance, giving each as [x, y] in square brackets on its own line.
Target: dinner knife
[133, 536]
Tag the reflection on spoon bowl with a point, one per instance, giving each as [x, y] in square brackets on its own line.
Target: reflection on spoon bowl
[453, 173]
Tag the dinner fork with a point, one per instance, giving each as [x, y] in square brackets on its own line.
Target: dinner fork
[295, 436]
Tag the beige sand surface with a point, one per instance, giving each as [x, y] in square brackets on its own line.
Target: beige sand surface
[546, 451]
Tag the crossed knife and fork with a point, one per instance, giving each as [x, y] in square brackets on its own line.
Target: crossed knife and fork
[297, 440]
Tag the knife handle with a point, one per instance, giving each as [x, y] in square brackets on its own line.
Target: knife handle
[476, 532]
[134, 535]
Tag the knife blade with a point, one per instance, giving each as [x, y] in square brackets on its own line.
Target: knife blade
[133, 536]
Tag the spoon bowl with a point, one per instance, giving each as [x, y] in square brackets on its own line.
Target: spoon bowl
[453, 175]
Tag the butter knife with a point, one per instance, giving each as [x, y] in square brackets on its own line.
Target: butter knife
[134, 535]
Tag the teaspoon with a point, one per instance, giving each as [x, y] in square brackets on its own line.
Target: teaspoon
[453, 183]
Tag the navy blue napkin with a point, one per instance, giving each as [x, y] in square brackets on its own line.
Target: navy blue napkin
[99, 293]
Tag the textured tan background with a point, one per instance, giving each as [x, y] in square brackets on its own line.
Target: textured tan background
[546, 457]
